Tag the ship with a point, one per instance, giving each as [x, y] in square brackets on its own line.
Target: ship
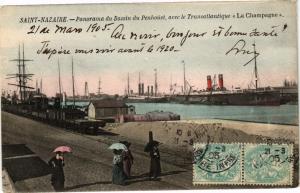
[146, 99]
[257, 96]
[246, 97]
[150, 96]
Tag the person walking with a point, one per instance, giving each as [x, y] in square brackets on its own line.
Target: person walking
[155, 168]
[118, 176]
[127, 159]
[58, 178]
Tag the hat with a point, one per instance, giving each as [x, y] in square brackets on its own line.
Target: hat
[154, 143]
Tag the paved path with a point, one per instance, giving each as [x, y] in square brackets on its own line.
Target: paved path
[7, 184]
[28, 145]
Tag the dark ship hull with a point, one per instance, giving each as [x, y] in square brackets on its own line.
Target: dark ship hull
[247, 98]
[146, 100]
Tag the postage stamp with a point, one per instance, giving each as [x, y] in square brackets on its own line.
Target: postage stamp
[268, 164]
[243, 164]
[135, 89]
[217, 163]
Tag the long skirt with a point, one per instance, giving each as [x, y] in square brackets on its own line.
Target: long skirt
[118, 176]
[155, 168]
[58, 185]
[127, 167]
[58, 179]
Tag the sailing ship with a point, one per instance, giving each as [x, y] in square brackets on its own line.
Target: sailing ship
[21, 76]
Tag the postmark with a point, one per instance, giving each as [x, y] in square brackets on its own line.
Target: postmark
[243, 164]
[217, 164]
[268, 164]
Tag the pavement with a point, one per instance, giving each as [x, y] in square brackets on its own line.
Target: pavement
[27, 146]
[7, 184]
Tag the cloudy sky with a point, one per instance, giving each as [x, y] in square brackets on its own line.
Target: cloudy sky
[203, 55]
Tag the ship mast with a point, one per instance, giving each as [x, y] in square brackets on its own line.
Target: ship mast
[73, 84]
[155, 82]
[128, 86]
[36, 86]
[59, 83]
[99, 86]
[255, 66]
[21, 75]
[184, 79]
[23, 72]
[171, 84]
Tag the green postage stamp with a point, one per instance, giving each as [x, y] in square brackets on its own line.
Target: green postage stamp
[243, 164]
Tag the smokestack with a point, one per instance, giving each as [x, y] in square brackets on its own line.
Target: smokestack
[151, 90]
[142, 89]
[148, 90]
[139, 92]
[209, 84]
[221, 85]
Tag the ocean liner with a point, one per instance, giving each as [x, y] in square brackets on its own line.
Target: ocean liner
[256, 96]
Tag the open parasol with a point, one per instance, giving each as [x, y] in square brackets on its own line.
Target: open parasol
[63, 149]
[118, 146]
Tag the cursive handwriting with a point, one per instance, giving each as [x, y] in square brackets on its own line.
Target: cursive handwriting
[51, 51]
[47, 50]
[228, 32]
[118, 32]
[239, 48]
[184, 35]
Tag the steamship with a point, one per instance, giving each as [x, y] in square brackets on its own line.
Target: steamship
[246, 97]
[257, 96]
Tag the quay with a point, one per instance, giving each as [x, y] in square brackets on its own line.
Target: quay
[89, 167]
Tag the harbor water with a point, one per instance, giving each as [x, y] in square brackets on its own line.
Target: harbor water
[283, 114]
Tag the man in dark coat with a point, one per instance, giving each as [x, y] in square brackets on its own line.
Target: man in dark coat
[155, 169]
[58, 178]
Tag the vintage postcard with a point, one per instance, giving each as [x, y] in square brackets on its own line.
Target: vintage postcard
[149, 96]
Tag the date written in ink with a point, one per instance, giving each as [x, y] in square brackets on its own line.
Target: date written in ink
[59, 29]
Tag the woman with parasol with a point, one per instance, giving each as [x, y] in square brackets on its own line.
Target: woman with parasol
[57, 163]
[118, 176]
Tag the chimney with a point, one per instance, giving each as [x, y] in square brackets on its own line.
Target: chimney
[142, 89]
[148, 90]
[151, 90]
[139, 91]
[209, 84]
[221, 85]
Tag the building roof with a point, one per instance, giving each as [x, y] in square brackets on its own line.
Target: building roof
[108, 103]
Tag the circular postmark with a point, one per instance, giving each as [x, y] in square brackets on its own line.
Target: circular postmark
[267, 163]
[217, 162]
[215, 158]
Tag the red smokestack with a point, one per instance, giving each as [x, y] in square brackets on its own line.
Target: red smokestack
[209, 85]
[221, 85]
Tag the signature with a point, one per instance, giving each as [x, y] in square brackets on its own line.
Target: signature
[239, 48]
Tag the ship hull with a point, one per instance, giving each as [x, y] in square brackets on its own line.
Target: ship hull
[147, 100]
[268, 98]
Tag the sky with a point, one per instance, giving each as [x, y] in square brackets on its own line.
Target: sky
[202, 56]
